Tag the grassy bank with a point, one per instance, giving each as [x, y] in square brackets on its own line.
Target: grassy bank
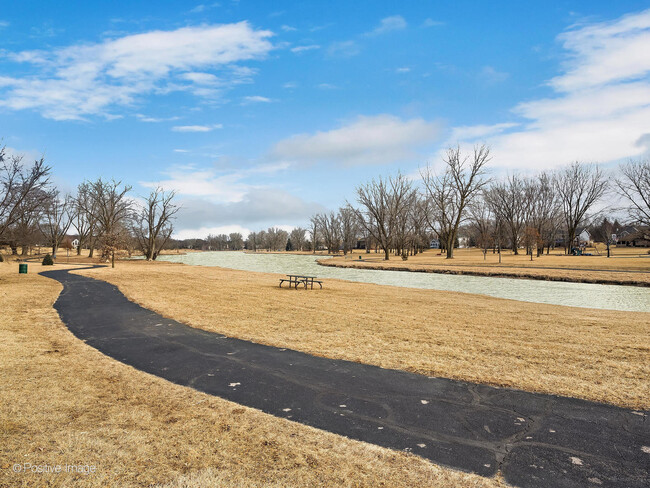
[592, 354]
[63, 402]
[627, 266]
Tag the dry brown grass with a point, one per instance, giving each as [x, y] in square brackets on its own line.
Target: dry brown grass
[627, 265]
[64, 402]
[593, 354]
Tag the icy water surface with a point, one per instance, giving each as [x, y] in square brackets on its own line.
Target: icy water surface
[586, 295]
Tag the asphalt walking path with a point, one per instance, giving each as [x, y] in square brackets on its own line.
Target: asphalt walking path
[533, 440]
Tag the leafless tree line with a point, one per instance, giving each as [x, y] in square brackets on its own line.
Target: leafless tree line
[532, 213]
[104, 216]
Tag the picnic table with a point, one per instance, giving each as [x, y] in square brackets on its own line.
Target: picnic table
[295, 280]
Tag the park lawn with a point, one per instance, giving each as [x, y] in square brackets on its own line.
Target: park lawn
[63, 402]
[627, 265]
[593, 354]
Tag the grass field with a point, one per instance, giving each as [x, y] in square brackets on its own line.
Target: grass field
[65, 403]
[627, 265]
[593, 354]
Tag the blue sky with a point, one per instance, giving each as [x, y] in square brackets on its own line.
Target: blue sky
[262, 113]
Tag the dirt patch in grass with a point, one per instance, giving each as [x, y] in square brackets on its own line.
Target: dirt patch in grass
[63, 402]
[597, 355]
[628, 266]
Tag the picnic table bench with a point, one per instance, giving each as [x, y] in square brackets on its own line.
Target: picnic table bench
[295, 280]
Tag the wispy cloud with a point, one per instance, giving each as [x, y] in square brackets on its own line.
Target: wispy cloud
[145, 118]
[388, 24]
[90, 79]
[300, 49]
[366, 140]
[3, 24]
[343, 49]
[490, 75]
[432, 23]
[255, 99]
[601, 105]
[288, 28]
[196, 128]
[181, 150]
[403, 70]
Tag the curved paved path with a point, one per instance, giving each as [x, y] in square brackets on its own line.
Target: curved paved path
[535, 440]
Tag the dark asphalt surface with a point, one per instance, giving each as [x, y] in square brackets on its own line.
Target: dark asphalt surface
[534, 440]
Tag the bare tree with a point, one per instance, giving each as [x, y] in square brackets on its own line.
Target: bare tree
[20, 188]
[153, 225]
[579, 186]
[482, 225]
[330, 231]
[508, 200]
[314, 233]
[605, 232]
[111, 208]
[235, 241]
[450, 193]
[276, 239]
[634, 185]
[349, 226]
[382, 201]
[56, 220]
[544, 210]
[84, 221]
[297, 237]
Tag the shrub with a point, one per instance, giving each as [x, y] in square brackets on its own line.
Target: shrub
[47, 260]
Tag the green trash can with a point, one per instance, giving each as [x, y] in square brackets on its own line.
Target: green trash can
[22, 268]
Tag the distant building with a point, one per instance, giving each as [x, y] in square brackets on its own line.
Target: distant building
[75, 243]
[634, 236]
[434, 244]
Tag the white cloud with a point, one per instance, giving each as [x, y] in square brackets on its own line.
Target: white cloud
[432, 23]
[203, 183]
[367, 140]
[196, 128]
[606, 52]
[145, 118]
[288, 28]
[327, 86]
[90, 79]
[492, 76]
[389, 24]
[403, 70]
[3, 24]
[181, 150]
[300, 49]
[256, 99]
[601, 107]
[203, 232]
[201, 78]
[343, 49]
[290, 85]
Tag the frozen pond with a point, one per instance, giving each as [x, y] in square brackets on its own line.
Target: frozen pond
[610, 297]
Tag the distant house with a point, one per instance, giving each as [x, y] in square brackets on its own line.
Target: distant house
[434, 244]
[583, 237]
[75, 243]
[634, 236]
[463, 241]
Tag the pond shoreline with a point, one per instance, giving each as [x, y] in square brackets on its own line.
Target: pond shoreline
[498, 274]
